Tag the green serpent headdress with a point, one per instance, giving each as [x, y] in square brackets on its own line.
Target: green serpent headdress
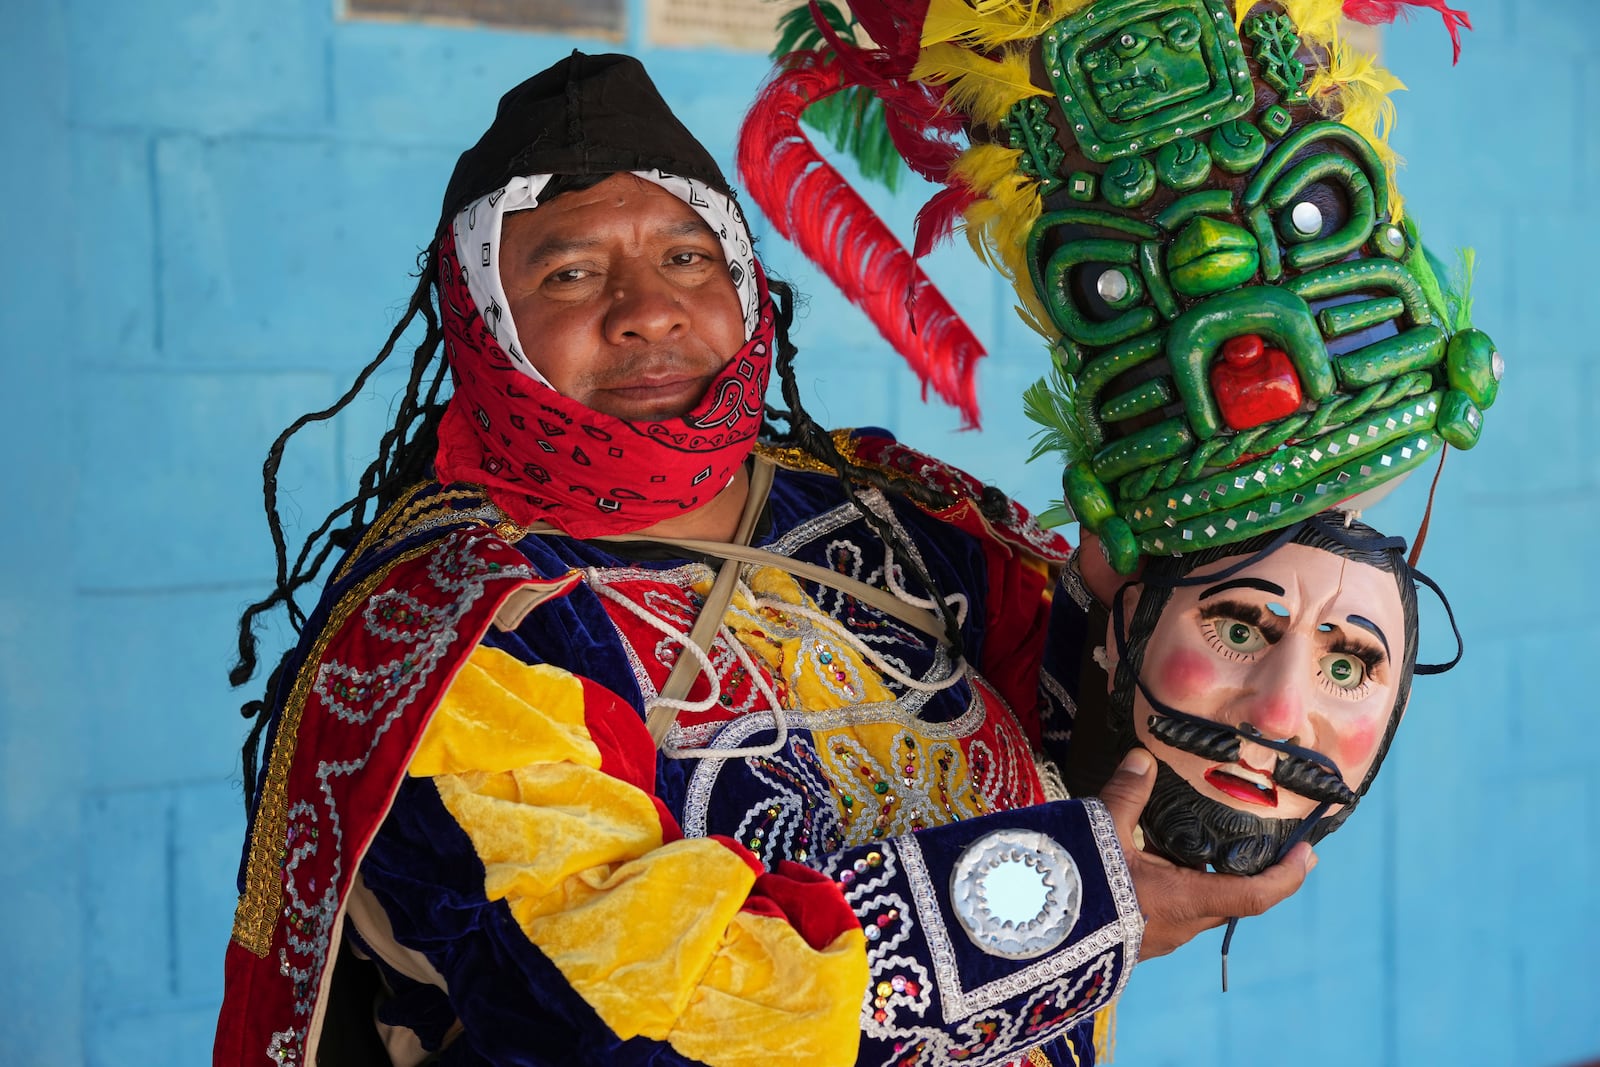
[1195, 200]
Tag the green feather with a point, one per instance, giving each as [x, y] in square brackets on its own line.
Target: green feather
[853, 119]
[854, 122]
[798, 33]
[1051, 402]
[1460, 294]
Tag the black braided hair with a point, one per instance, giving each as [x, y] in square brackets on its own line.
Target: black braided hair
[404, 453]
[805, 433]
[405, 456]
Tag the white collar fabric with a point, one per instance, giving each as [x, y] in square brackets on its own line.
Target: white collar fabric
[478, 226]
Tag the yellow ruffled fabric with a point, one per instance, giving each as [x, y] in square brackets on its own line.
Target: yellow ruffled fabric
[651, 935]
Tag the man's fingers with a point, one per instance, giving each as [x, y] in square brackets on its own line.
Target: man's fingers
[1238, 896]
[1128, 789]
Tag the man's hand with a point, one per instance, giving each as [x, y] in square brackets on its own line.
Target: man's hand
[1178, 902]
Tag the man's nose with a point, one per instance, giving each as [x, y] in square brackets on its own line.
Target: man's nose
[644, 307]
[1279, 700]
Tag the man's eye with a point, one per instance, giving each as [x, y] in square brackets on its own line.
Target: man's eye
[1236, 636]
[1343, 670]
[568, 274]
[689, 259]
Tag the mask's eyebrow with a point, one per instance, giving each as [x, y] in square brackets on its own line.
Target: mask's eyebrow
[1371, 627]
[1244, 583]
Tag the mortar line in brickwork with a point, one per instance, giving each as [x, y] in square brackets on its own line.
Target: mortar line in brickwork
[319, 137]
[208, 370]
[172, 898]
[158, 311]
[1389, 1022]
[1513, 303]
[1578, 134]
[330, 106]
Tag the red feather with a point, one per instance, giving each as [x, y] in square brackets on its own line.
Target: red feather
[924, 132]
[1373, 12]
[812, 205]
[937, 219]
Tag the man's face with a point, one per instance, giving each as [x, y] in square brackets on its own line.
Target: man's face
[1303, 645]
[621, 297]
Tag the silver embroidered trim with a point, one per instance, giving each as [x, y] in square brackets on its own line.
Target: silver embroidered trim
[1120, 879]
[734, 734]
[1053, 690]
[813, 528]
[1072, 582]
[1125, 931]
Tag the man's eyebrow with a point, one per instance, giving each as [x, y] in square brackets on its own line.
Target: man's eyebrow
[1371, 627]
[688, 228]
[552, 247]
[559, 245]
[1244, 583]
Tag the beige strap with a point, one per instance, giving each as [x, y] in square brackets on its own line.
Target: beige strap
[886, 602]
[704, 632]
[661, 716]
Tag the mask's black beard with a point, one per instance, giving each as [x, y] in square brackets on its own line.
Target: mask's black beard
[1193, 830]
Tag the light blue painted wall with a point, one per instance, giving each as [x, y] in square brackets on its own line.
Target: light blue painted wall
[212, 209]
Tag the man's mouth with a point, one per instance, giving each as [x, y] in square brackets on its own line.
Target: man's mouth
[1244, 783]
[658, 394]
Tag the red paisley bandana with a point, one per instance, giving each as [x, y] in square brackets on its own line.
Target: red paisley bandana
[543, 456]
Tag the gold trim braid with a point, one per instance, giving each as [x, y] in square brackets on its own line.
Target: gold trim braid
[257, 913]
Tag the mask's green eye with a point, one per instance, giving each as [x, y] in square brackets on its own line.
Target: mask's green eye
[1236, 636]
[1343, 670]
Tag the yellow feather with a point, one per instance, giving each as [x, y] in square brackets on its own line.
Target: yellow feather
[1350, 86]
[998, 225]
[988, 25]
[984, 88]
[1358, 90]
[1316, 20]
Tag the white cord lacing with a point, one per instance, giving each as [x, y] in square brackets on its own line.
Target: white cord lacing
[780, 718]
[892, 580]
[666, 629]
[845, 637]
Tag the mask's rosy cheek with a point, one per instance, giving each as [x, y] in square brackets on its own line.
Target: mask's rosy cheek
[1185, 674]
[1357, 744]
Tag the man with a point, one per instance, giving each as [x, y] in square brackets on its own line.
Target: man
[622, 739]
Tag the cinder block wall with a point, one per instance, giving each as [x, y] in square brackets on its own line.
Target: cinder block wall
[212, 211]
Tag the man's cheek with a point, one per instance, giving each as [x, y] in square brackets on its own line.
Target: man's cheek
[1185, 674]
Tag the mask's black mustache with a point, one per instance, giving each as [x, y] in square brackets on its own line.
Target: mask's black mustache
[1312, 781]
[1206, 740]
[1213, 741]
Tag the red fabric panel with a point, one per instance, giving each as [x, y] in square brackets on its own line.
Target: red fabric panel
[811, 901]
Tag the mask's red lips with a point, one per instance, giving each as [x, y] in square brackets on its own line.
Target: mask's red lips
[1243, 783]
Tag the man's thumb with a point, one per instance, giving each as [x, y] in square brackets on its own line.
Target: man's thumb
[1126, 792]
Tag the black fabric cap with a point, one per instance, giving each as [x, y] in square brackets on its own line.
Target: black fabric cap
[585, 115]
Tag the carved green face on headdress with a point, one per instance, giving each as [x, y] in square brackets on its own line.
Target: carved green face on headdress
[1249, 333]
